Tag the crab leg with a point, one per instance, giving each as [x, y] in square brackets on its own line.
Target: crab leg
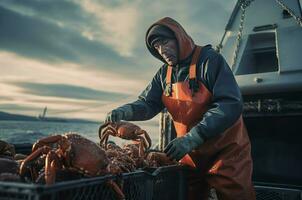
[141, 150]
[34, 173]
[147, 138]
[105, 135]
[32, 156]
[104, 139]
[46, 141]
[142, 145]
[117, 189]
[101, 129]
[51, 166]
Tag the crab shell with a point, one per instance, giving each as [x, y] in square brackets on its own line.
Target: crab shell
[83, 154]
[158, 159]
[128, 130]
[125, 130]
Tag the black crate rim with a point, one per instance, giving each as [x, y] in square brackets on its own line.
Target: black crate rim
[31, 187]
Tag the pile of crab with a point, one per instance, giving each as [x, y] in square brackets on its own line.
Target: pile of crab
[71, 156]
[9, 162]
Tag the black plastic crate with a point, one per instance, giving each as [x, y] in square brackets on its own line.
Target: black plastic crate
[266, 191]
[136, 186]
[168, 182]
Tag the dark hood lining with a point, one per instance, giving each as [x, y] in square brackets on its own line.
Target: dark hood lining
[185, 43]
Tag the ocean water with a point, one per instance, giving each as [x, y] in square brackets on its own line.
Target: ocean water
[16, 132]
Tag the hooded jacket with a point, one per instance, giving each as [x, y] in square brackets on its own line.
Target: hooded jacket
[212, 71]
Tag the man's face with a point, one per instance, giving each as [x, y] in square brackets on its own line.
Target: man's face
[168, 50]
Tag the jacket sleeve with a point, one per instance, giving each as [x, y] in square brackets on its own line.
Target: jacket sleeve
[226, 106]
[149, 102]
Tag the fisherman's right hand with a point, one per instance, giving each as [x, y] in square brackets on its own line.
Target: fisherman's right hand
[115, 115]
[122, 113]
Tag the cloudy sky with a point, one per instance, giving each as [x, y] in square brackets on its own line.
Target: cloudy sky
[82, 58]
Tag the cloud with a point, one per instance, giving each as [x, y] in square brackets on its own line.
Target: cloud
[92, 49]
[203, 20]
[94, 20]
[19, 108]
[5, 98]
[42, 40]
[117, 25]
[60, 12]
[19, 68]
[68, 91]
[103, 34]
[39, 75]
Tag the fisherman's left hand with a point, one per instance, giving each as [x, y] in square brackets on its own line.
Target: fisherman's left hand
[180, 146]
[177, 148]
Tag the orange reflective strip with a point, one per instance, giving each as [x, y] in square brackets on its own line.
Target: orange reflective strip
[169, 75]
[187, 160]
[192, 71]
[196, 54]
[214, 169]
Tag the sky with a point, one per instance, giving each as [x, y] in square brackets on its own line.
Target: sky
[83, 58]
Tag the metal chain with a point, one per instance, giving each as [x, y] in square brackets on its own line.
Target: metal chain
[290, 11]
[243, 4]
[220, 46]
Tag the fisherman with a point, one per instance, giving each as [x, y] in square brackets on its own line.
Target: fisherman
[197, 87]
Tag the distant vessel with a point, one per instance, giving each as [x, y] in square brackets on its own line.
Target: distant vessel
[43, 115]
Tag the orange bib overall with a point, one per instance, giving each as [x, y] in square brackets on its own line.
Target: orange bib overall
[222, 162]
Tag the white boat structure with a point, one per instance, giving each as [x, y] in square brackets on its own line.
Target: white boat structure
[263, 45]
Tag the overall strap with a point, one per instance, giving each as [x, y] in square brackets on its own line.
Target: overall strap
[192, 74]
[193, 83]
[195, 57]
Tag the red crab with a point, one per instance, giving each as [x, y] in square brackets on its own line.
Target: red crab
[158, 159]
[119, 158]
[6, 150]
[134, 152]
[72, 152]
[8, 165]
[125, 130]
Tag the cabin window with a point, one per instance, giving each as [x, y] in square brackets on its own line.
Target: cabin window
[259, 55]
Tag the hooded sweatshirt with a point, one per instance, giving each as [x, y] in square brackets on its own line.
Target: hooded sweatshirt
[212, 71]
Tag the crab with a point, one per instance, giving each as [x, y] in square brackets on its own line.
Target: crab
[134, 152]
[8, 165]
[120, 161]
[6, 149]
[125, 130]
[158, 159]
[71, 152]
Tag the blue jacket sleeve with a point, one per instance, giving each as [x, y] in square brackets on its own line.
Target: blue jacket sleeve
[226, 106]
[149, 102]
